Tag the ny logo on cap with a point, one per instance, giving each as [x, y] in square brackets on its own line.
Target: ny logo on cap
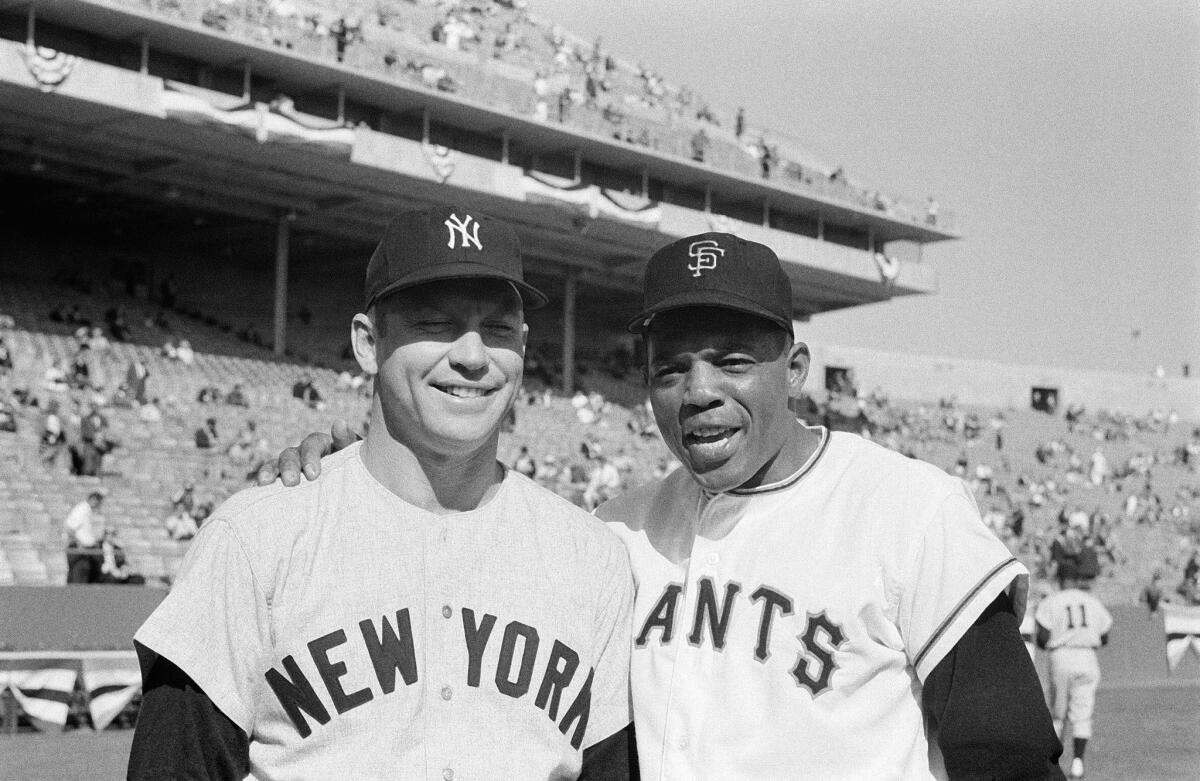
[460, 229]
[706, 253]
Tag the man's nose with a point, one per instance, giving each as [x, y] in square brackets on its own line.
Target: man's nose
[702, 385]
[468, 351]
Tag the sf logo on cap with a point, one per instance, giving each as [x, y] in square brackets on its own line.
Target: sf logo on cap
[459, 228]
[706, 253]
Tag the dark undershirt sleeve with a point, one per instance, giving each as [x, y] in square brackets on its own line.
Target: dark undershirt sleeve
[612, 759]
[987, 704]
[180, 733]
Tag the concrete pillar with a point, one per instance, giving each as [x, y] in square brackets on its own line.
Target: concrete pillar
[568, 353]
[283, 229]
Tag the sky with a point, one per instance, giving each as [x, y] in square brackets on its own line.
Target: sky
[1064, 134]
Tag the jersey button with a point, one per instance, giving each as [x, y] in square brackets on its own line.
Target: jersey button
[446, 611]
[713, 559]
[447, 693]
[683, 743]
[448, 774]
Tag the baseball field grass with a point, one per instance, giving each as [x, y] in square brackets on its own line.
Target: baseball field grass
[1142, 734]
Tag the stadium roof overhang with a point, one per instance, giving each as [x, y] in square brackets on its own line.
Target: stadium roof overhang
[293, 70]
[165, 165]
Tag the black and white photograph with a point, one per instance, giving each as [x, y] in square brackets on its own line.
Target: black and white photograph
[599, 390]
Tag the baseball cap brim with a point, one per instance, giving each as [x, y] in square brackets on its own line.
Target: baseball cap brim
[531, 297]
[707, 298]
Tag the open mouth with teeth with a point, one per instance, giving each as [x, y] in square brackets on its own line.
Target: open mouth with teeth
[708, 435]
[464, 392]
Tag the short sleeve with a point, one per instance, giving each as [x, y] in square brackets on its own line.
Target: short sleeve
[214, 625]
[611, 710]
[955, 570]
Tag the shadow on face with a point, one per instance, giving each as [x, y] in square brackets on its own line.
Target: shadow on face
[719, 385]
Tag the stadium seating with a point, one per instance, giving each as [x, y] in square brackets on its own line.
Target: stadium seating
[155, 459]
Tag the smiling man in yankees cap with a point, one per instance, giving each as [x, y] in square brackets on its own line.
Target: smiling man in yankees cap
[418, 611]
[809, 605]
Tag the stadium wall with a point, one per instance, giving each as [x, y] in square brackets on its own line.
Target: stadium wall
[990, 383]
[84, 618]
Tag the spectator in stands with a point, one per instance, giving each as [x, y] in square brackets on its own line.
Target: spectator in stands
[53, 437]
[206, 436]
[1192, 568]
[113, 565]
[96, 340]
[700, 144]
[151, 411]
[603, 483]
[185, 497]
[184, 353]
[81, 368]
[55, 378]
[118, 325]
[180, 524]
[209, 394]
[157, 320]
[82, 531]
[8, 415]
[524, 464]
[6, 361]
[237, 396]
[87, 456]
[307, 392]
[136, 377]
[1152, 595]
[247, 444]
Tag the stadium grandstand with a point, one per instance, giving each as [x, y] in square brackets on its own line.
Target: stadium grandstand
[191, 190]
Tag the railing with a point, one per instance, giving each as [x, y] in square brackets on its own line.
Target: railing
[501, 80]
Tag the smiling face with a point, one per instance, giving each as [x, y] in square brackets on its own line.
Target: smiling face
[447, 357]
[719, 384]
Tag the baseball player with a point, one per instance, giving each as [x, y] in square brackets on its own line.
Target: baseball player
[1072, 624]
[418, 611]
[809, 604]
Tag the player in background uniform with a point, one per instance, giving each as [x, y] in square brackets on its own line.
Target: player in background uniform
[418, 611]
[809, 605]
[1071, 625]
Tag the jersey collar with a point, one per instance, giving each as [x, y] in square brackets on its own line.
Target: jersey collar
[788, 481]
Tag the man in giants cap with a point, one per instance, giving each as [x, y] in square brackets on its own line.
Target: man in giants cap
[418, 611]
[809, 604]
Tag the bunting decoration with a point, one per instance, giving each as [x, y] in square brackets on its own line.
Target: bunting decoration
[49, 67]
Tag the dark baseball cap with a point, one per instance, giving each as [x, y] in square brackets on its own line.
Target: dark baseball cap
[720, 270]
[447, 242]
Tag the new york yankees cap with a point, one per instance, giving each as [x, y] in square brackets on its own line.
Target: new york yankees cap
[715, 269]
[447, 242]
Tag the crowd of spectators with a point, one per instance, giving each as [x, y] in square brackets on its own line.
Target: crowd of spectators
[449, 45]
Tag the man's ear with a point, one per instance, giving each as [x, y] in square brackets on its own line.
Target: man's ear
[798, 362]
[363, 342]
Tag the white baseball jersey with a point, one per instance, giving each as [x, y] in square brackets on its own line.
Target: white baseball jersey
[784, 632]
[1074, 619]
[1076, 622]
[352, 635]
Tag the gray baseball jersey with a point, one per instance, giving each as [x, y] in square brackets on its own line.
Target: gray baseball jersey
[353, 635]
[783, 632]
